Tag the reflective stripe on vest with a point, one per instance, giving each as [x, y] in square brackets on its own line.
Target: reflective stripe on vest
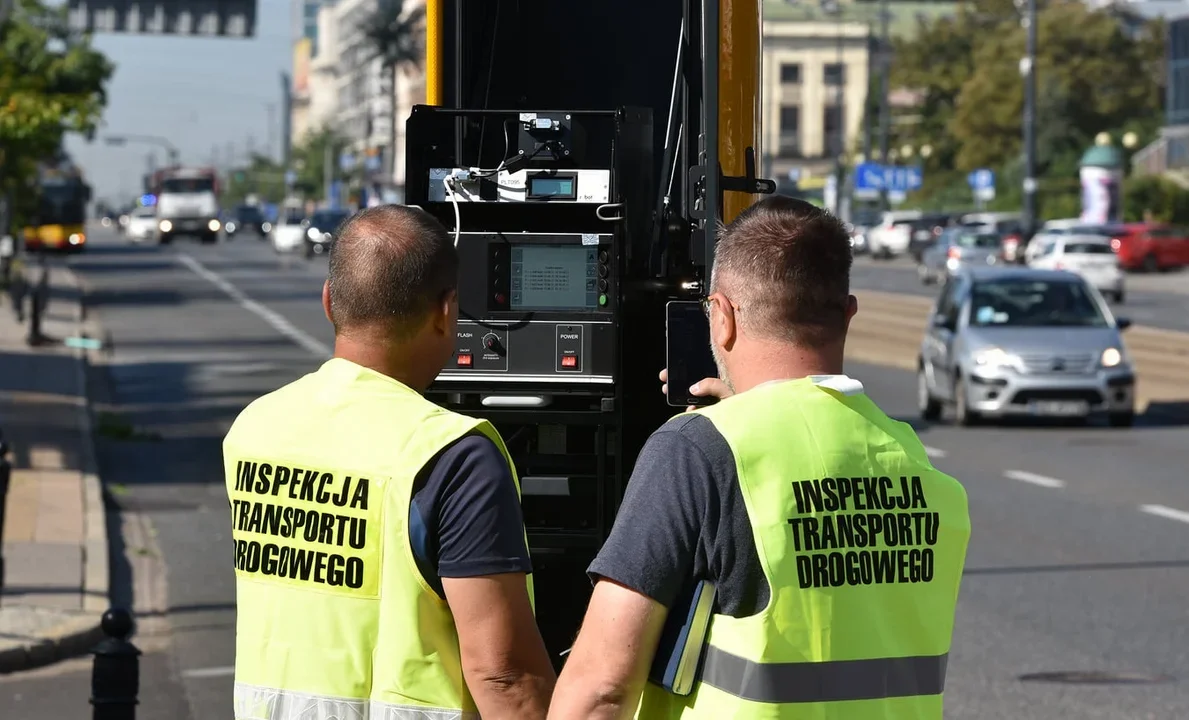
[831, 681]
[863, 570]
[262, 703]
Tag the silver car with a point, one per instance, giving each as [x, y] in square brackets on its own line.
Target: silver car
[1024, 342]
[956, 249]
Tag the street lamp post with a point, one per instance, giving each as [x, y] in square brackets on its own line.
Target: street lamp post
[1028, 69]
[158, 141]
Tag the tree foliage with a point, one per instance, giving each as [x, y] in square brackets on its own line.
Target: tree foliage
[52, 82]
[265, 178]
[396, 33]
[1095, 78]
[1093, 75]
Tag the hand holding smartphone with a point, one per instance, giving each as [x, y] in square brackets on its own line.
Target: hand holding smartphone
[688, 359]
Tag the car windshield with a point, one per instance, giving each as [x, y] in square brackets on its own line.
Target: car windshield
[1088, 248]
[247, 213]
[982, 241]
[1022, 302]
[188, 185]
[328, 221]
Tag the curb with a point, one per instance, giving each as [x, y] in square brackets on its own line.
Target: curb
[77, 636]
[69, 639]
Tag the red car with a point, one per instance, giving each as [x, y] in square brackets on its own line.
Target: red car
[1151, 247]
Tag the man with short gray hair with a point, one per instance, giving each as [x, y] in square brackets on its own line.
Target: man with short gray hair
[789, 551]
[380, 555]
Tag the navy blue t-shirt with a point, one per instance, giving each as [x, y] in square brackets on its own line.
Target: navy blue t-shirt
[465, 518]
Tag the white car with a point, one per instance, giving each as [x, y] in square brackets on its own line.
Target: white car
[142, 225]
[893, 234]
[1090, 256]
[289, 233]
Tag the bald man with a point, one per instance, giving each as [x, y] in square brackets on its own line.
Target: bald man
[380, 555]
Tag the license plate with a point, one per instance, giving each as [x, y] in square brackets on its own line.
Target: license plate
[1064, 408]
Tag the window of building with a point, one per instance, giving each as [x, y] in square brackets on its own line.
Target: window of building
[834, 74]
[790, 131]
[790, 74]
[834, 129]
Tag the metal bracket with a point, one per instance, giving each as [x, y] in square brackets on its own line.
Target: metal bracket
[749, 183]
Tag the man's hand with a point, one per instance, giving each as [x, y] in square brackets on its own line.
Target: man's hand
[706, 387]
[504, 661]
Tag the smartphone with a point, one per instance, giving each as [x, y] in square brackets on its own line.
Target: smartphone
[687, 352]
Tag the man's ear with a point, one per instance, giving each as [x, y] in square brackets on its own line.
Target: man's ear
[852, 307]
[724, 329]
[326, 301]
[446, 314]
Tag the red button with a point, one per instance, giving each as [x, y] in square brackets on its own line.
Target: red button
[464, 360]
[569, 361]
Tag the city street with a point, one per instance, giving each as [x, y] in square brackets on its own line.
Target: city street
[1159, 300]
[1077, 564]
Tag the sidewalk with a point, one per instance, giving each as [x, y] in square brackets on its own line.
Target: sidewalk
[55, 584]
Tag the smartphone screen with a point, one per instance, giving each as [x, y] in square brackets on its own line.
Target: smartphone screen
[687, 351]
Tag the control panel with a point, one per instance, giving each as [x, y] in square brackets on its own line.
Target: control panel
[536, 308]
[521, 186]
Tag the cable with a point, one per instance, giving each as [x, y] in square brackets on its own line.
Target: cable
[448, 183]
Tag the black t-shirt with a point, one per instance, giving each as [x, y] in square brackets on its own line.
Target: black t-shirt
[465, 518]
[683, 520]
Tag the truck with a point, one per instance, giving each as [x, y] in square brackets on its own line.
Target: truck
[187, 204]
[60, 218]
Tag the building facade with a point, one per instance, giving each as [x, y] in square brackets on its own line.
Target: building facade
[814, 91]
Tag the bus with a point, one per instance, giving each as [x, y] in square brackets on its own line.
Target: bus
[60, 217]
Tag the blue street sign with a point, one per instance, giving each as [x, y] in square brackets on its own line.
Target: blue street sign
[873, 176]
[981, 179]
[869, 176]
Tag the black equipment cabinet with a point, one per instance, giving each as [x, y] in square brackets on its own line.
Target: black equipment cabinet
[629, 78]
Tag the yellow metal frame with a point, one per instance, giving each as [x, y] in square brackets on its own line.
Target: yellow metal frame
[739, 67]
[434, 82]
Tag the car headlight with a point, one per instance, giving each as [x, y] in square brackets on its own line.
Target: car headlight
[995, 357]
[230, 227]
[313, 234]
[1112, 357]
[213, 226]
[266, 227]
[165, 226]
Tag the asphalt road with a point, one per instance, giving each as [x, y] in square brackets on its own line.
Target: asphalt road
[1158, 300]
[1077, 563]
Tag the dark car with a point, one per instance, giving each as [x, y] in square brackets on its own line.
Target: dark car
[321, 228]
[246, 218]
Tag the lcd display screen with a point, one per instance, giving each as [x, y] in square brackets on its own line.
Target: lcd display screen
[545, 186]
[554, 277]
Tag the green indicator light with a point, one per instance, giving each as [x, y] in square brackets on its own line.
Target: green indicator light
[602, 299]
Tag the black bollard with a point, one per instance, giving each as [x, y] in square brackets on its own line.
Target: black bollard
[115, 676]
[39, 300]
[5, 477]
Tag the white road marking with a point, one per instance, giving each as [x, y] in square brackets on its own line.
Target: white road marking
[209, 672]
[278, 323]
[1166, 512]
[1034, 479]
[935, 452]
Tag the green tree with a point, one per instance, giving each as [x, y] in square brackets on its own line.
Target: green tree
[52, 82]
[261, 177]
[397, 36]
[1094, 78]
[310, 160]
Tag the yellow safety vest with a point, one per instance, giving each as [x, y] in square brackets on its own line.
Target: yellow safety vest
[334, 620]
[862, 543]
